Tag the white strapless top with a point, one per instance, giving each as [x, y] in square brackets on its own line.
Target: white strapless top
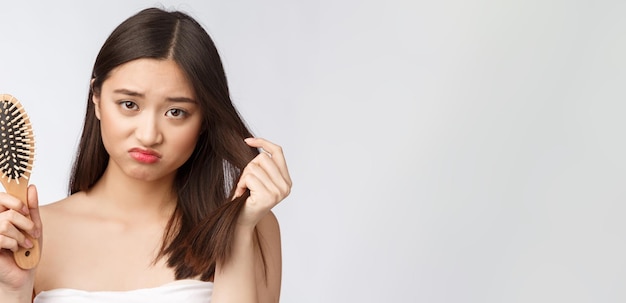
[181, 291]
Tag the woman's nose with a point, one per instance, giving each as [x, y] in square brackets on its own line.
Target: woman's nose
[148, 132]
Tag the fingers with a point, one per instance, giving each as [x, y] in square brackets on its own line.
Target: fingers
[9, 243]
[276, 154]
[11, 222]
[270, 174]
[267, 174]
[14, 220]
[33, 204]
[256, 179]
[256, 182]
[10, 202]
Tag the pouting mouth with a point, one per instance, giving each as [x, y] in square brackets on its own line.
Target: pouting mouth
[145, 151]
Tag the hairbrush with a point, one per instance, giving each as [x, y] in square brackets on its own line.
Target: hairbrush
[17, 151]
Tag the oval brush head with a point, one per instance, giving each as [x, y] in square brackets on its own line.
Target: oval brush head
[17, 150]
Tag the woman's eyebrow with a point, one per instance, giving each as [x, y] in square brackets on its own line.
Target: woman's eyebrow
[181, 99]
[128, 92]
[132, 93]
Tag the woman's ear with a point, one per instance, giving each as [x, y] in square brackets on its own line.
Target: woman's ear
[95, 98]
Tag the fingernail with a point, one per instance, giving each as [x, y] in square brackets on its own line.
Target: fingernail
[28, 243]
[25, 210]
[247, 139]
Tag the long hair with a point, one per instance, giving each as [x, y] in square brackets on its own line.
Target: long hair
[201, 228]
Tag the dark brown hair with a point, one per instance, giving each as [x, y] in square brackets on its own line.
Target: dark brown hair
[201, 229]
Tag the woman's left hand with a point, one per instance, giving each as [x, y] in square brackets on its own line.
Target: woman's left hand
[268, 180]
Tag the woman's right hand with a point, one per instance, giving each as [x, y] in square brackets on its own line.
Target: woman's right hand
[14, 224]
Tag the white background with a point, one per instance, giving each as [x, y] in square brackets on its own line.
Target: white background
[442, 151]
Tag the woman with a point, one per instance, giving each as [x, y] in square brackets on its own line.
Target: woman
[170, 197]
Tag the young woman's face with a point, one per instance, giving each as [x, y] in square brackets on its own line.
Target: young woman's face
[149, 117]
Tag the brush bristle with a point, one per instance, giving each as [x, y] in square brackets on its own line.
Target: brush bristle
[16, 141]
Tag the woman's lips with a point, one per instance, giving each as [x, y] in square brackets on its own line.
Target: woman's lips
[144, 155]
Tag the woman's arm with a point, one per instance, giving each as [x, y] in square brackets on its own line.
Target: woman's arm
[268, 290]
[243, 278]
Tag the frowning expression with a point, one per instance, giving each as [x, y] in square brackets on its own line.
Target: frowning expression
[149, 117]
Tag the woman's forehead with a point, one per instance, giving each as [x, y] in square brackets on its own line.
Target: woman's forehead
[145, 77]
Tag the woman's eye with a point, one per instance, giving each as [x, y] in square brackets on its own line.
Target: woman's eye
[130, 105]
[176, 113]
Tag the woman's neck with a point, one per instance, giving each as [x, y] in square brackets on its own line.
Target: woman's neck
[121, 196]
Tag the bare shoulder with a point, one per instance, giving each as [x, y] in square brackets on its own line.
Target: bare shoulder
[269, 224]
[59, 219]
[58, 222]
[62, 218]
[269, 237]
[61, 209]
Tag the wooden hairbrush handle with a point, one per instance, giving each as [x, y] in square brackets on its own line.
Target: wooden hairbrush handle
[25, 258]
